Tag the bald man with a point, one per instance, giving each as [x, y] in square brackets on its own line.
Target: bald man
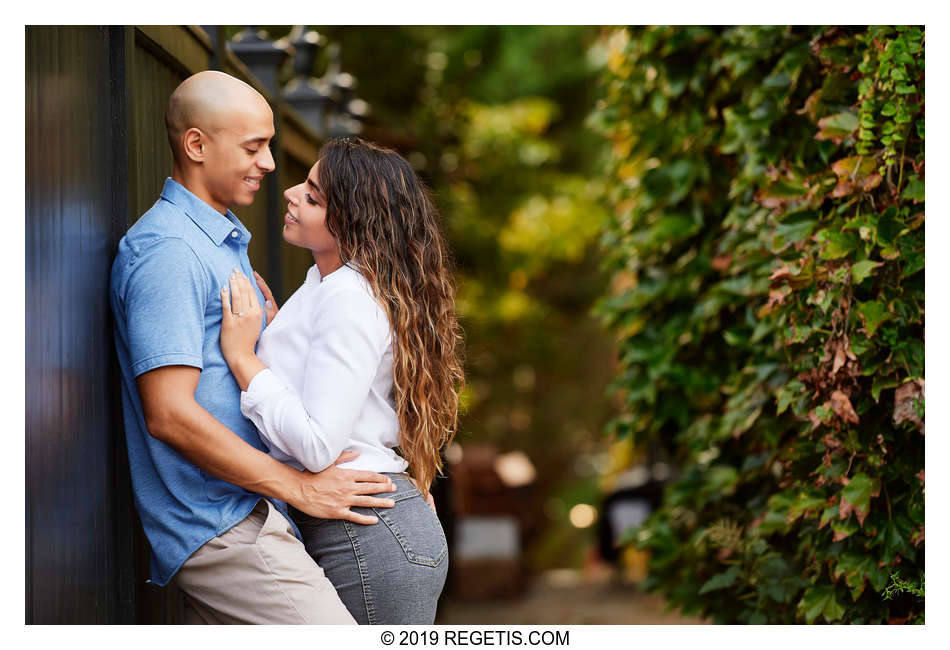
[211, 500]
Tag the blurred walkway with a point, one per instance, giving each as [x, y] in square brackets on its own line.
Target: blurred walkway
[566, 597]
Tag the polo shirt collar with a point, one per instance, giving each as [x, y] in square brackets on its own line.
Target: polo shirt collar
[215, 225]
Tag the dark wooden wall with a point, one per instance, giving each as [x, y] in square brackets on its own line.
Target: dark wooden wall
[96, 158]
[78, 565]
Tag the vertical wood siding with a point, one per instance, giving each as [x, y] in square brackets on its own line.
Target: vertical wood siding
[76, 502]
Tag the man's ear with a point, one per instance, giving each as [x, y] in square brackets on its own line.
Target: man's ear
[193, 143]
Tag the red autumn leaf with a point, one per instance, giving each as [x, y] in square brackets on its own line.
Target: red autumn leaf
[780, 273]
[838, 351]
[842, 407]
[810, 108]
[831, 442]
[845, 508]
[855, 172]
[776, 298]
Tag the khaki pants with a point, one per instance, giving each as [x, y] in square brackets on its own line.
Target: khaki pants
[258, 572]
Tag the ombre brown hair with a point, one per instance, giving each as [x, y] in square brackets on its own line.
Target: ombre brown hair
[388, 228]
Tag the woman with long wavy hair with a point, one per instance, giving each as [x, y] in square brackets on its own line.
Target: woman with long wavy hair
[365, 356]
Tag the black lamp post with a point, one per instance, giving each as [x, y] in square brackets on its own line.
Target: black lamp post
[307, 94]
[347, 111]
[262, 56]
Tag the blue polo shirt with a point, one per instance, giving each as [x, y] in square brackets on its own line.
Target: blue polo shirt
[165, 296]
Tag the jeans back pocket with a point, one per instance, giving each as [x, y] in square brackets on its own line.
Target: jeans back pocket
[416, 528]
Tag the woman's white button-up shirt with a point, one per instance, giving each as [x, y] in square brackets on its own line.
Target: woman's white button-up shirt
[329, 383]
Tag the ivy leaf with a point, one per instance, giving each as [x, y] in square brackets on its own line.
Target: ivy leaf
[882, 382]
[778, 195]
[874, 313]
[804, 505]
[861, 270]
[721, 580]
[836, 127]
[855, 569]
[893, 537]
[843, 529]
[792, 230]
[855, 173]
[914, 190]
[836, 244]
[820, 601]
[856, 496]
[888, 227]
[829, 514]
[898, 74]
[787, 394]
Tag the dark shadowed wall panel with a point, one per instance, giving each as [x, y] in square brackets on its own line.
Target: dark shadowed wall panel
[294, 261]
[154, 72]
[77, 568]
[151, 82]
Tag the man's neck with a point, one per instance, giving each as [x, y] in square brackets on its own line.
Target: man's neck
[197, 188]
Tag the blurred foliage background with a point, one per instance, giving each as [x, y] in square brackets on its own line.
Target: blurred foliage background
[493, 120]
[743, 208]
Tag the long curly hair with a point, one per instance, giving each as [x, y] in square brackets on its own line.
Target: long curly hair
[388, 228]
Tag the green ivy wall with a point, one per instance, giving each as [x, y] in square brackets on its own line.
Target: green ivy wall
[766, 243]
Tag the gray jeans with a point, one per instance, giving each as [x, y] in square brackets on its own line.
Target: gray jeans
[389, 573]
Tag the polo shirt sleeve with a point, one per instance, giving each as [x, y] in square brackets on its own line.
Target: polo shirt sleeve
[165, 300]
[315, 426]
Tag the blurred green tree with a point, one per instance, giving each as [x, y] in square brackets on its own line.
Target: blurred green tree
[493, 120]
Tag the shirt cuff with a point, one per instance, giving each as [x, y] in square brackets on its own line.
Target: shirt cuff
[167, 359]
[263, 385]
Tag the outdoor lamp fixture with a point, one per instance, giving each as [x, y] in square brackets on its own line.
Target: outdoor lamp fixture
[307, 94]
[358, 109]
[351, 110]
[262, 56]
[341, 122]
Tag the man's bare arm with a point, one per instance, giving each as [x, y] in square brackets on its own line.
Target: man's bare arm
[173, 416]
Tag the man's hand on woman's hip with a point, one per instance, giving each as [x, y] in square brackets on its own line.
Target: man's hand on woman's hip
[331, 493]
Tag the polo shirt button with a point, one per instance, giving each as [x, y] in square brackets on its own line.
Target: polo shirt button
[234, 233]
